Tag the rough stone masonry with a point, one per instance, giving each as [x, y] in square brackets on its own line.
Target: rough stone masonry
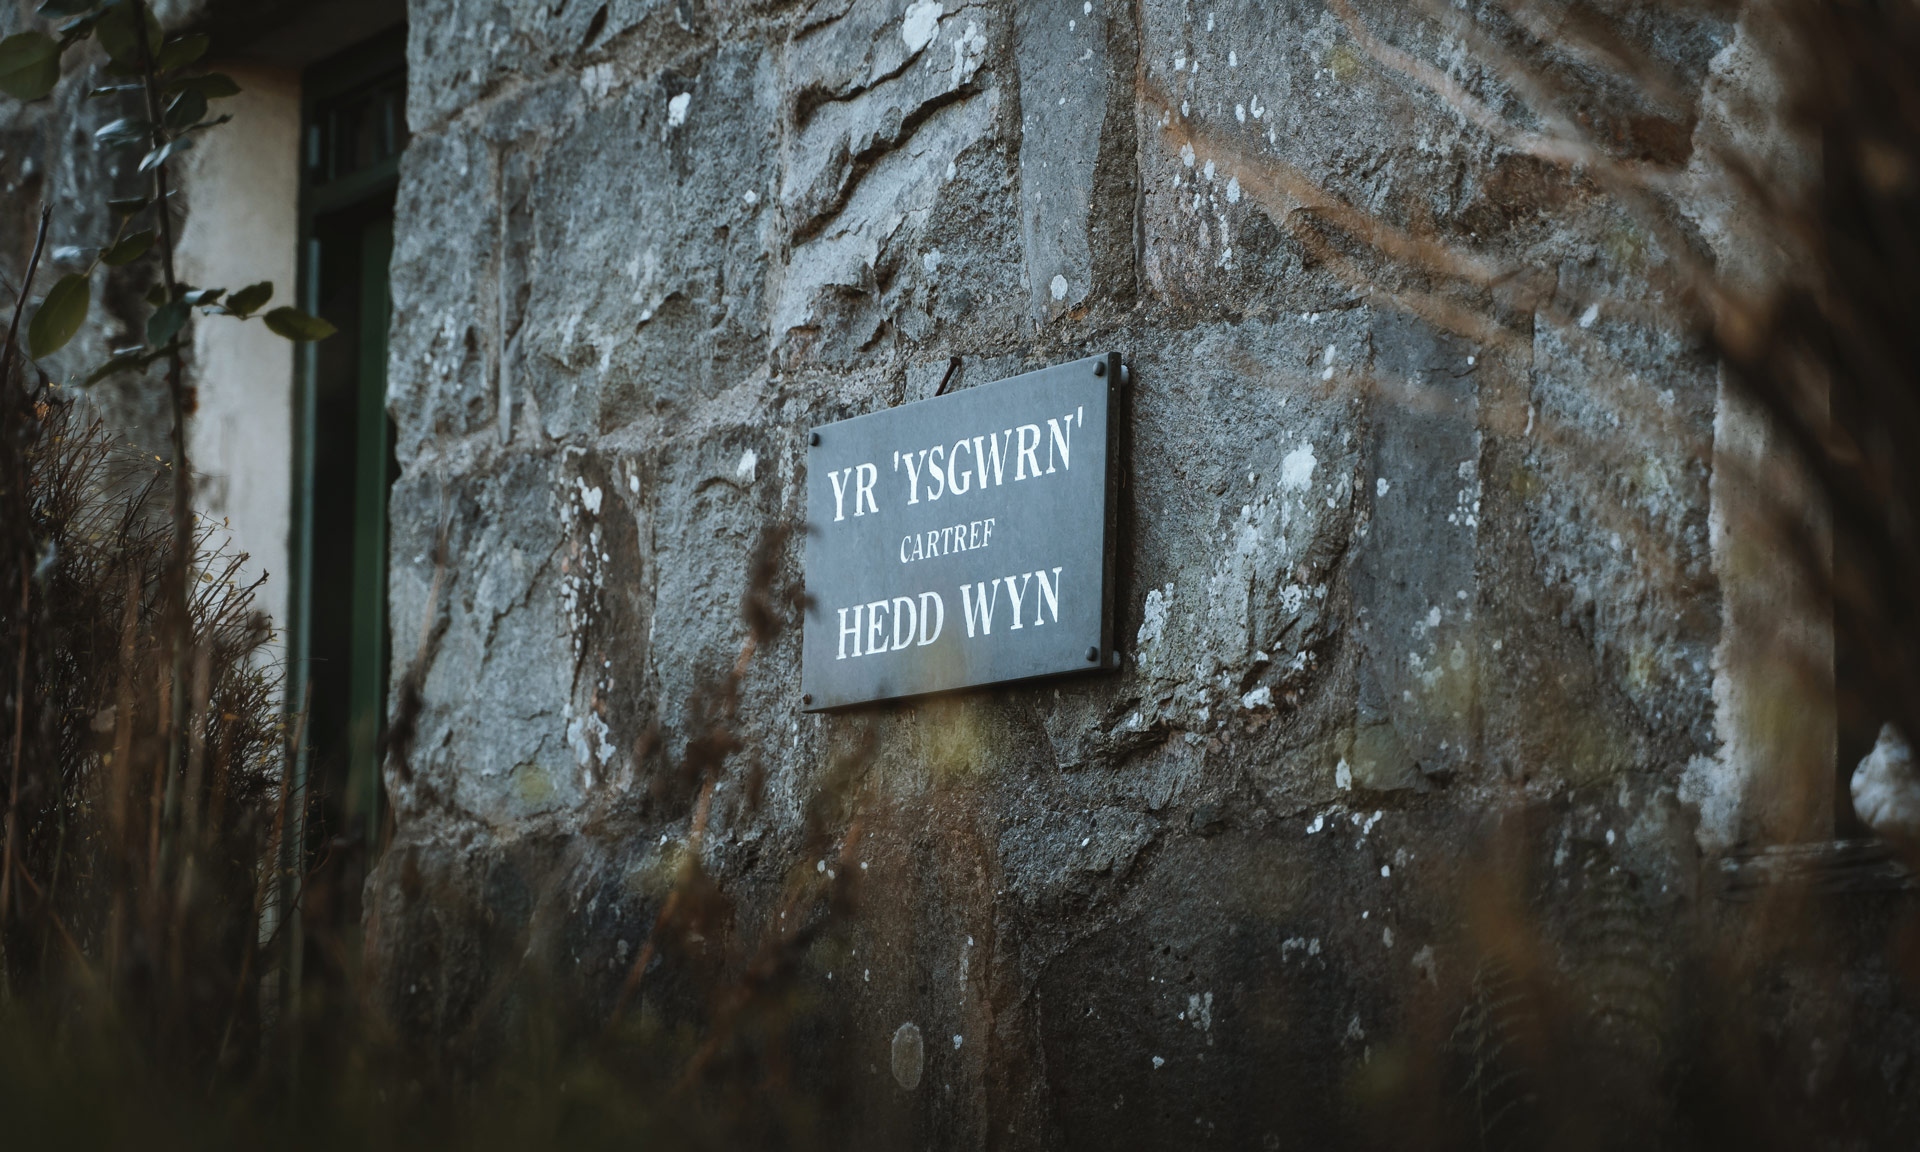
[1390, 587]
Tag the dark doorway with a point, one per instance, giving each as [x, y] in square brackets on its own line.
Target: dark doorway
[353, 133]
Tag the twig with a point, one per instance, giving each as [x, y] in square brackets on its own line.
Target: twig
[269, 878]
[59, 925]
[396, 743]
[179, 631]
[19, 723]
[26, 585]
[26, 287]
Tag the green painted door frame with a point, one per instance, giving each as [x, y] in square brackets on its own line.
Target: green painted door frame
[353, 131]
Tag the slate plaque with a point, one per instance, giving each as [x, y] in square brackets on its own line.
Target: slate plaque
[963, 540]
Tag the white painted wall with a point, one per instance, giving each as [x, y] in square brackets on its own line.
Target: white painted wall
[241, 185]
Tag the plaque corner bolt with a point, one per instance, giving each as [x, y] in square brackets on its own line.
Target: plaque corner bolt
[1099, 367]
[813, 439]
[1093, 655]
[806, 698]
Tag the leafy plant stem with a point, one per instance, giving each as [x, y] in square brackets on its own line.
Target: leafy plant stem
[26, 287]
[179, 627]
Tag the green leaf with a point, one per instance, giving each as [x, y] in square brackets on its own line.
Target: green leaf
[297, 325]
[199, 296]
[119, 133]
[129, 206]
[214, 85]
[121, 362]
[157, 295]
[129, 249]
[248, 300]
[120, 33]
[182, 51]
[166, 322]
[29, 65]
[60, 315]
[113, 89]
[187, 108]
[165, 153]
[55, 9]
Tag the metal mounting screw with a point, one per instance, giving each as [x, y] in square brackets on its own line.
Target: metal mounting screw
[1100, 368]
[1093, 655]
[814, 439]
[807, 698]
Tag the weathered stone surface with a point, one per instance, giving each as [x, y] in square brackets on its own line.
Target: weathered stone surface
[1415, 576]
[1101, 909]
[1417, 598]
[446, 385]
[1070, 57]
[885, 112]
[1415, 591]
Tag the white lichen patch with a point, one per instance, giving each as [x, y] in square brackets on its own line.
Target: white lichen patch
[1296, 471]
[1153, 617]
[969, 49]
[590, 740]
[596, 81]
[920, 24]
[677, 109]
[1200, 1010]
[906, 1055]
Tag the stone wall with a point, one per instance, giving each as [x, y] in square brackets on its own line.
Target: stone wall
[1415, 566]
[1436, 570]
